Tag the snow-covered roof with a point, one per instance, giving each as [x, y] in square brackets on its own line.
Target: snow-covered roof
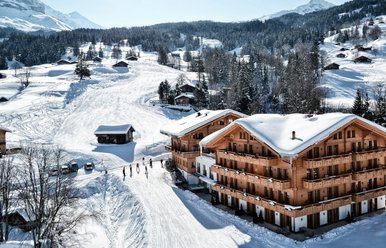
[196, 120]
[5, 129]
[191, 83]
[276, 130]
[113, 129]
[186, 94]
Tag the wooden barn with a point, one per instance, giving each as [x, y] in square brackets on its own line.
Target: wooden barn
[132, 58]
[20, 219]
[362, 59]
[364, 49]
[121, 64]
[3, 148]
[114, 134]
[341, 55]
[187, 87]
[332, 66]
[184, 99]
[63, 62]
[97, 59]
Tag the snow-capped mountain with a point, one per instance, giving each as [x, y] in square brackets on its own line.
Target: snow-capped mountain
[73, 19]
[34, 15]
[312, 6]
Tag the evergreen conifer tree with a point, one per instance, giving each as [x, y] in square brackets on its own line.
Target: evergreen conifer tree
[81, 68]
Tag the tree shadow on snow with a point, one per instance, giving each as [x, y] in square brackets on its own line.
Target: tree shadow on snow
[123, 151]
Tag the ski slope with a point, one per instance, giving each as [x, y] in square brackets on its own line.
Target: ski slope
[342, 84]
[140, 210]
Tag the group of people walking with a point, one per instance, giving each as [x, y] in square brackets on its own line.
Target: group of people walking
[138, 167]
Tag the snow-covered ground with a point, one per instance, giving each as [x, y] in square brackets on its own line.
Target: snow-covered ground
[140, 210]
[343, 83]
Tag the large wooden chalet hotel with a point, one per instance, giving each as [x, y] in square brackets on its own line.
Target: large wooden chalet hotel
[299, 171]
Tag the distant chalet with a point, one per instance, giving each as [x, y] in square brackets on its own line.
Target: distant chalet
[114, 134]
[362, 59]
[121, 64]
[97, 59]
[341, 55]
[184, 99]
[65, 62]
[332, 66]
[132, 58]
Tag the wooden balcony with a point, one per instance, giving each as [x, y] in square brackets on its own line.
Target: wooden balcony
[327, 161]
[366, 174]
[253, 199]
[349, 157]
[369, 194]
[184, 160]
[370, 154]
[292, 211]
[325, 205]
[252, 178]
[249, 158]
[327, 182]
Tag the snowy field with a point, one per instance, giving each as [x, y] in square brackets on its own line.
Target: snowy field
[140, 210]
[343, 83]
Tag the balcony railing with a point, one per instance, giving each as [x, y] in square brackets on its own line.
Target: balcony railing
[327, 161]
[249, 158]
[325, 182]
[252, 178]
[367, 174]
[369, 194]
[193, 154]
[342, 158]
[293, 211]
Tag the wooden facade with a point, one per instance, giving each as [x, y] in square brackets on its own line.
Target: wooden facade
[118, 134]
[186, 148]
[362, 59]
[332, 66]
[3, 142]
[341, 177]
[121, 64]
[184, 99]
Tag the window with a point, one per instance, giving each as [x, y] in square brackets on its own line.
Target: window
[336, 150]
[353, 133]
[335, 136]
[316, 152]
[221, 123]
[263, 151]
[348, 134]
[340, 135]
[353, 147]
[309, 154]
[329, 150]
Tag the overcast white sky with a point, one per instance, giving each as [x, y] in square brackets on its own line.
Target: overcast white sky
[128, 13]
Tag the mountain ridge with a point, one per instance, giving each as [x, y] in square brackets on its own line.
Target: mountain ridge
[34, 15]
[311, 6]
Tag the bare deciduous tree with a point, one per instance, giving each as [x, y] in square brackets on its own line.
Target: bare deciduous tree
[6, 175]
[47, 199]
[24, 77]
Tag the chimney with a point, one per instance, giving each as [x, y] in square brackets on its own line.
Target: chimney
[293, 135]
[198, 114]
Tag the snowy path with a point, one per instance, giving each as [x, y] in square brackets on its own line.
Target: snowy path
[173, 220]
